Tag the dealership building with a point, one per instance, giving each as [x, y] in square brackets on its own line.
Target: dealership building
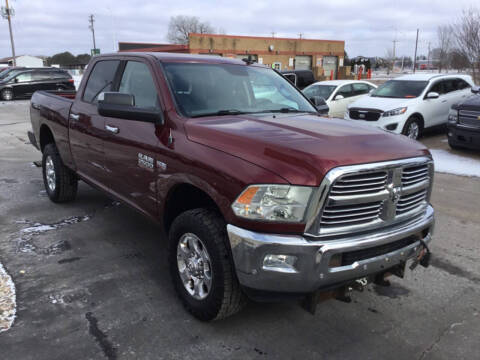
[324, 57]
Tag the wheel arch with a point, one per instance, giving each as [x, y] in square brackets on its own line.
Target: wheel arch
[185, 196]
[46, 136]
[418, 116]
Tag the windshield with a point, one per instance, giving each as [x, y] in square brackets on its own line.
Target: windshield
[323, 91]
[224, 89]
[400, 89]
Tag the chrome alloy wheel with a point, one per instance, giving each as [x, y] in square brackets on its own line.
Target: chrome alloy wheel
[7, 95]
[194, 266]
[50, 173]
[413, 130]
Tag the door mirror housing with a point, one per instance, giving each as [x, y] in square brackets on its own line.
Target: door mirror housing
[122, 106]
[15, 80]
[339, 97]
[320, 104]
[432, 95]
[475, 89]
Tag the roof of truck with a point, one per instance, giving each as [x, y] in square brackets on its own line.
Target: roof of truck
[162, 56]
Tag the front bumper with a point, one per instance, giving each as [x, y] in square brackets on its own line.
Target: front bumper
[393, 124]
[314, 268]
[464, 136]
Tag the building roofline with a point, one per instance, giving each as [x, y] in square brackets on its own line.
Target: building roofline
[262, 37]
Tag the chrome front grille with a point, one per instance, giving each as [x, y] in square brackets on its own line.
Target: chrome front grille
[338, 215]
[414, 175]
[469, 118]
[360, 184]
[363, 197]
[410, 202]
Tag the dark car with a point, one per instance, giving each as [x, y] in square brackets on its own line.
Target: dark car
[300, 78]
[464, 123]
[22, 84]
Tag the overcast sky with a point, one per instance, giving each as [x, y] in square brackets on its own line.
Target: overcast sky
[46, 27]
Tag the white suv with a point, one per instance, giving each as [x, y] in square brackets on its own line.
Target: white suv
[410, 103]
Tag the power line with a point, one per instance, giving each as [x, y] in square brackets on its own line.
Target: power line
[7, 13]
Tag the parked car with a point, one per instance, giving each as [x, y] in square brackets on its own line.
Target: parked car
[23, 83]
[259, 195]
[411, 103]
[464, 123]
[339, 93]
[300, 78]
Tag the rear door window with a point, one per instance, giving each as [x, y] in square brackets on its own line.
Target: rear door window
[346, 91]
[138, 81]
[438, 87]
[449, 86]
[24, 77]
[360, 89]
[100, 80]
[461, 84]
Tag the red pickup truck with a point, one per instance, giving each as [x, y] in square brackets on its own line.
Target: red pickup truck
[260, 196]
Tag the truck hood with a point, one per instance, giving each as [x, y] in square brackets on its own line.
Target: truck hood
[384, 104]
[472, 103]
[301, 148]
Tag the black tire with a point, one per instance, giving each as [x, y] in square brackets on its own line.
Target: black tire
[225, 297]
[65, 181]
[407, 128]
[7, 94]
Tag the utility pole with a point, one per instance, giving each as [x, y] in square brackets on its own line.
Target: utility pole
[7, 13]
[428, 57]
[415, 57]
[300, 36]
[394, 48]
[91, 20]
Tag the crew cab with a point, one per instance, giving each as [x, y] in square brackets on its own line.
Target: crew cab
[260, 196]
[464, 122]
[411, 103]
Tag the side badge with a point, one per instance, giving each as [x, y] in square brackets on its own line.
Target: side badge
[161, 166]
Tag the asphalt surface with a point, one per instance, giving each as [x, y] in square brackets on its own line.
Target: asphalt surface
[92, 283]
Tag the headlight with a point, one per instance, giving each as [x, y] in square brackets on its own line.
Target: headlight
[283, 203]
[452, 118]
[395, 112]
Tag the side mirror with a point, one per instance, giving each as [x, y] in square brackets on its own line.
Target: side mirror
[320, 104]
[432, 95]
[371, 91]
[475, 89]
[15, 80]
[122, 106]
[339, 97]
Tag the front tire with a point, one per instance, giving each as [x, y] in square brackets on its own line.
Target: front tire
[60, 182]
[7, 94]
[413, 128]
[201, 266]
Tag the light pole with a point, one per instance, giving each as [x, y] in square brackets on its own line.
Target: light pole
[7, 13]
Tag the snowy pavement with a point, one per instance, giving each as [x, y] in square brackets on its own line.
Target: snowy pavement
[447, 162]
[7, 300]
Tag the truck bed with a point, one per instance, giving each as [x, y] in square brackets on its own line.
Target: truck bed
[52, 108]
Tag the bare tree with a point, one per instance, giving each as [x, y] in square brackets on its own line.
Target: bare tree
[467, 35]
[445, 41]
[180, 26]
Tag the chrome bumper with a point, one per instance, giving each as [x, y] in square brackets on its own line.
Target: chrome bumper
[313, 256]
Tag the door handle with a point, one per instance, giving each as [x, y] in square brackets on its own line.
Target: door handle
[112, 129]
[444, 101]
[74, 117]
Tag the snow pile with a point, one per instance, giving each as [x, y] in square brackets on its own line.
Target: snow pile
[446, 162]
[7, 300]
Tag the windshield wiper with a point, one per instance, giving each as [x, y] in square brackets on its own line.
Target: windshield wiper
[286, 110]
[223, 113]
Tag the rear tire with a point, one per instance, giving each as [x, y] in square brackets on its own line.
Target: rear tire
[223, 297]
[413, 128]
[60, 182]
[7, 94]
[454, 147]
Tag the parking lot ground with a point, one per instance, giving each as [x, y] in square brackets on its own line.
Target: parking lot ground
[92, 283]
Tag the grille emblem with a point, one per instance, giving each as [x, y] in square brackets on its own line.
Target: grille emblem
[394, 193]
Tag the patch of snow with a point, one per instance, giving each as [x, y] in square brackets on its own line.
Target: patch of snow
[8, 306]
[38, 228]
[446, 162]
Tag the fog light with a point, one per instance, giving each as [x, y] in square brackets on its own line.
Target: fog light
[391, 127]
[280, 263]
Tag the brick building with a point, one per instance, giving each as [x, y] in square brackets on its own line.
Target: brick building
[320, 56]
